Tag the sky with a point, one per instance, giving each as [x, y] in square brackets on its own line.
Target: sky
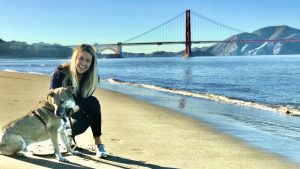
[72, 22]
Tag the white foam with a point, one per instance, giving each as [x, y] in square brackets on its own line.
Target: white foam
[10, 70]
[281, 109]
[41, 65]
[36, 73]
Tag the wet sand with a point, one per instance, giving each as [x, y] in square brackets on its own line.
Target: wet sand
[136, 134]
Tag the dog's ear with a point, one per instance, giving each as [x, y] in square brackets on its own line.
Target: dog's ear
[70, 90]
[43, 102]
[51, 93]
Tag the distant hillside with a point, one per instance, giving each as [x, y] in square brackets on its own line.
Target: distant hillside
[260, 48]
[15, 49]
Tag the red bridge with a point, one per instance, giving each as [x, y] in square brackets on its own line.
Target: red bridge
[206, 30]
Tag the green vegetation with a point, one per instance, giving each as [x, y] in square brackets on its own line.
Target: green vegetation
[15, 49]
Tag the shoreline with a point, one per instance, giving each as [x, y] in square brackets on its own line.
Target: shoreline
[213, 97]
[136, 133]
[285, 110]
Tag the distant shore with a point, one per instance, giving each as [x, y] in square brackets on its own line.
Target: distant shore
[136, 134]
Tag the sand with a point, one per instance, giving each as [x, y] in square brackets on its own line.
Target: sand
[136, 134]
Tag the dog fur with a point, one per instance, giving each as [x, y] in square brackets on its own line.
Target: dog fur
[17, 135]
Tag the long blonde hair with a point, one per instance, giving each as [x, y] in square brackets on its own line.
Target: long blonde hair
[92, 80]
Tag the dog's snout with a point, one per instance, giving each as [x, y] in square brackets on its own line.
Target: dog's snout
[69, 112]
[60, 112]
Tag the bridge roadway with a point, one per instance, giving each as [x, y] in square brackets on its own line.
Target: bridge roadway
[203, 42]
[117, 48]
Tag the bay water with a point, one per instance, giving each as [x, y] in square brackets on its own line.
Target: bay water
[243, 96]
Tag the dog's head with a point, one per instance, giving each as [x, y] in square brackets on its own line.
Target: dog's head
[62, 100]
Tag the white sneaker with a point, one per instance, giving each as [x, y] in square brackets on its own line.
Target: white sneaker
[101, 151]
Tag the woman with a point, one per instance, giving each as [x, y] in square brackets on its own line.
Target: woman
[82, 74]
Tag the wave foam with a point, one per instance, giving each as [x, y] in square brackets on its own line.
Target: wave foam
[10, 70]
[281, 109]
[37, 65]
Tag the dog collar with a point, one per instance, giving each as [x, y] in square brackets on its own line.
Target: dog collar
[40, 118]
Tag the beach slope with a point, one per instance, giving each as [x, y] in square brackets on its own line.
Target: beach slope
[136, 134]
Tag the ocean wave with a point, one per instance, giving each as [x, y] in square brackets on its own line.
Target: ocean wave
[10, 70]
[36, 73]
[36, 65]
[290, 110]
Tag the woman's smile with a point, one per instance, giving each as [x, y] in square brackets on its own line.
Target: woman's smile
[83, 62]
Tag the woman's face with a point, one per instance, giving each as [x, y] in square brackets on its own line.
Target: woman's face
[83, 62]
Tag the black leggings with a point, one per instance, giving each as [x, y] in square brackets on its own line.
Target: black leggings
[88, 116]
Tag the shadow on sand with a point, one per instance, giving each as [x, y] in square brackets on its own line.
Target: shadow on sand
[115, 161]
[50, 164]
[121, 162]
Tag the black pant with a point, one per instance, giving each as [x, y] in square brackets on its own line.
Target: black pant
[88, 116]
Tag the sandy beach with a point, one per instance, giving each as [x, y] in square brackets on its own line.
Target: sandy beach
[136, 134]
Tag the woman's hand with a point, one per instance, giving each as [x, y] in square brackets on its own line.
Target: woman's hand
[76, 108]
[71, 111]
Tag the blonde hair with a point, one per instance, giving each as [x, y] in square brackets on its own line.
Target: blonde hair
[92, 80]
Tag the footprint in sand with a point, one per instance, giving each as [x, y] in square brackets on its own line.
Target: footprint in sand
[115, 140]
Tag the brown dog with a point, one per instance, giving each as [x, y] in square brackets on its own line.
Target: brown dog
[48, 121]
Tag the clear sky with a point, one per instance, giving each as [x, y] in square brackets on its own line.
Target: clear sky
[70, 22]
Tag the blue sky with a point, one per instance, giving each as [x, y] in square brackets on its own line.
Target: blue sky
[69, 22]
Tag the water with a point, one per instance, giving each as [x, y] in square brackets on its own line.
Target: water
[269, 80]
[260, 82]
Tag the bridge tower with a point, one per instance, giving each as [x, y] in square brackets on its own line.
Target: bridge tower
[188, 44]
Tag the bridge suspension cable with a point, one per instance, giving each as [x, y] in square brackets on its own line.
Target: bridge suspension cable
[216, 23]
[155, 28]
[202, 27]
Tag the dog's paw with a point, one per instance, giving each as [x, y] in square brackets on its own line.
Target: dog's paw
[62, 159]
[21, 154]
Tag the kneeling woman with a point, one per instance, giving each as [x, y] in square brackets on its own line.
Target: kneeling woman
[82, 74]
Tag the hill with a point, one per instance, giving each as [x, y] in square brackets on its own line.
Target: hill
[15, 49]
[260, 48]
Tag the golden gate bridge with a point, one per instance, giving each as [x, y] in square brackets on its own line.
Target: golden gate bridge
[205, 31]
